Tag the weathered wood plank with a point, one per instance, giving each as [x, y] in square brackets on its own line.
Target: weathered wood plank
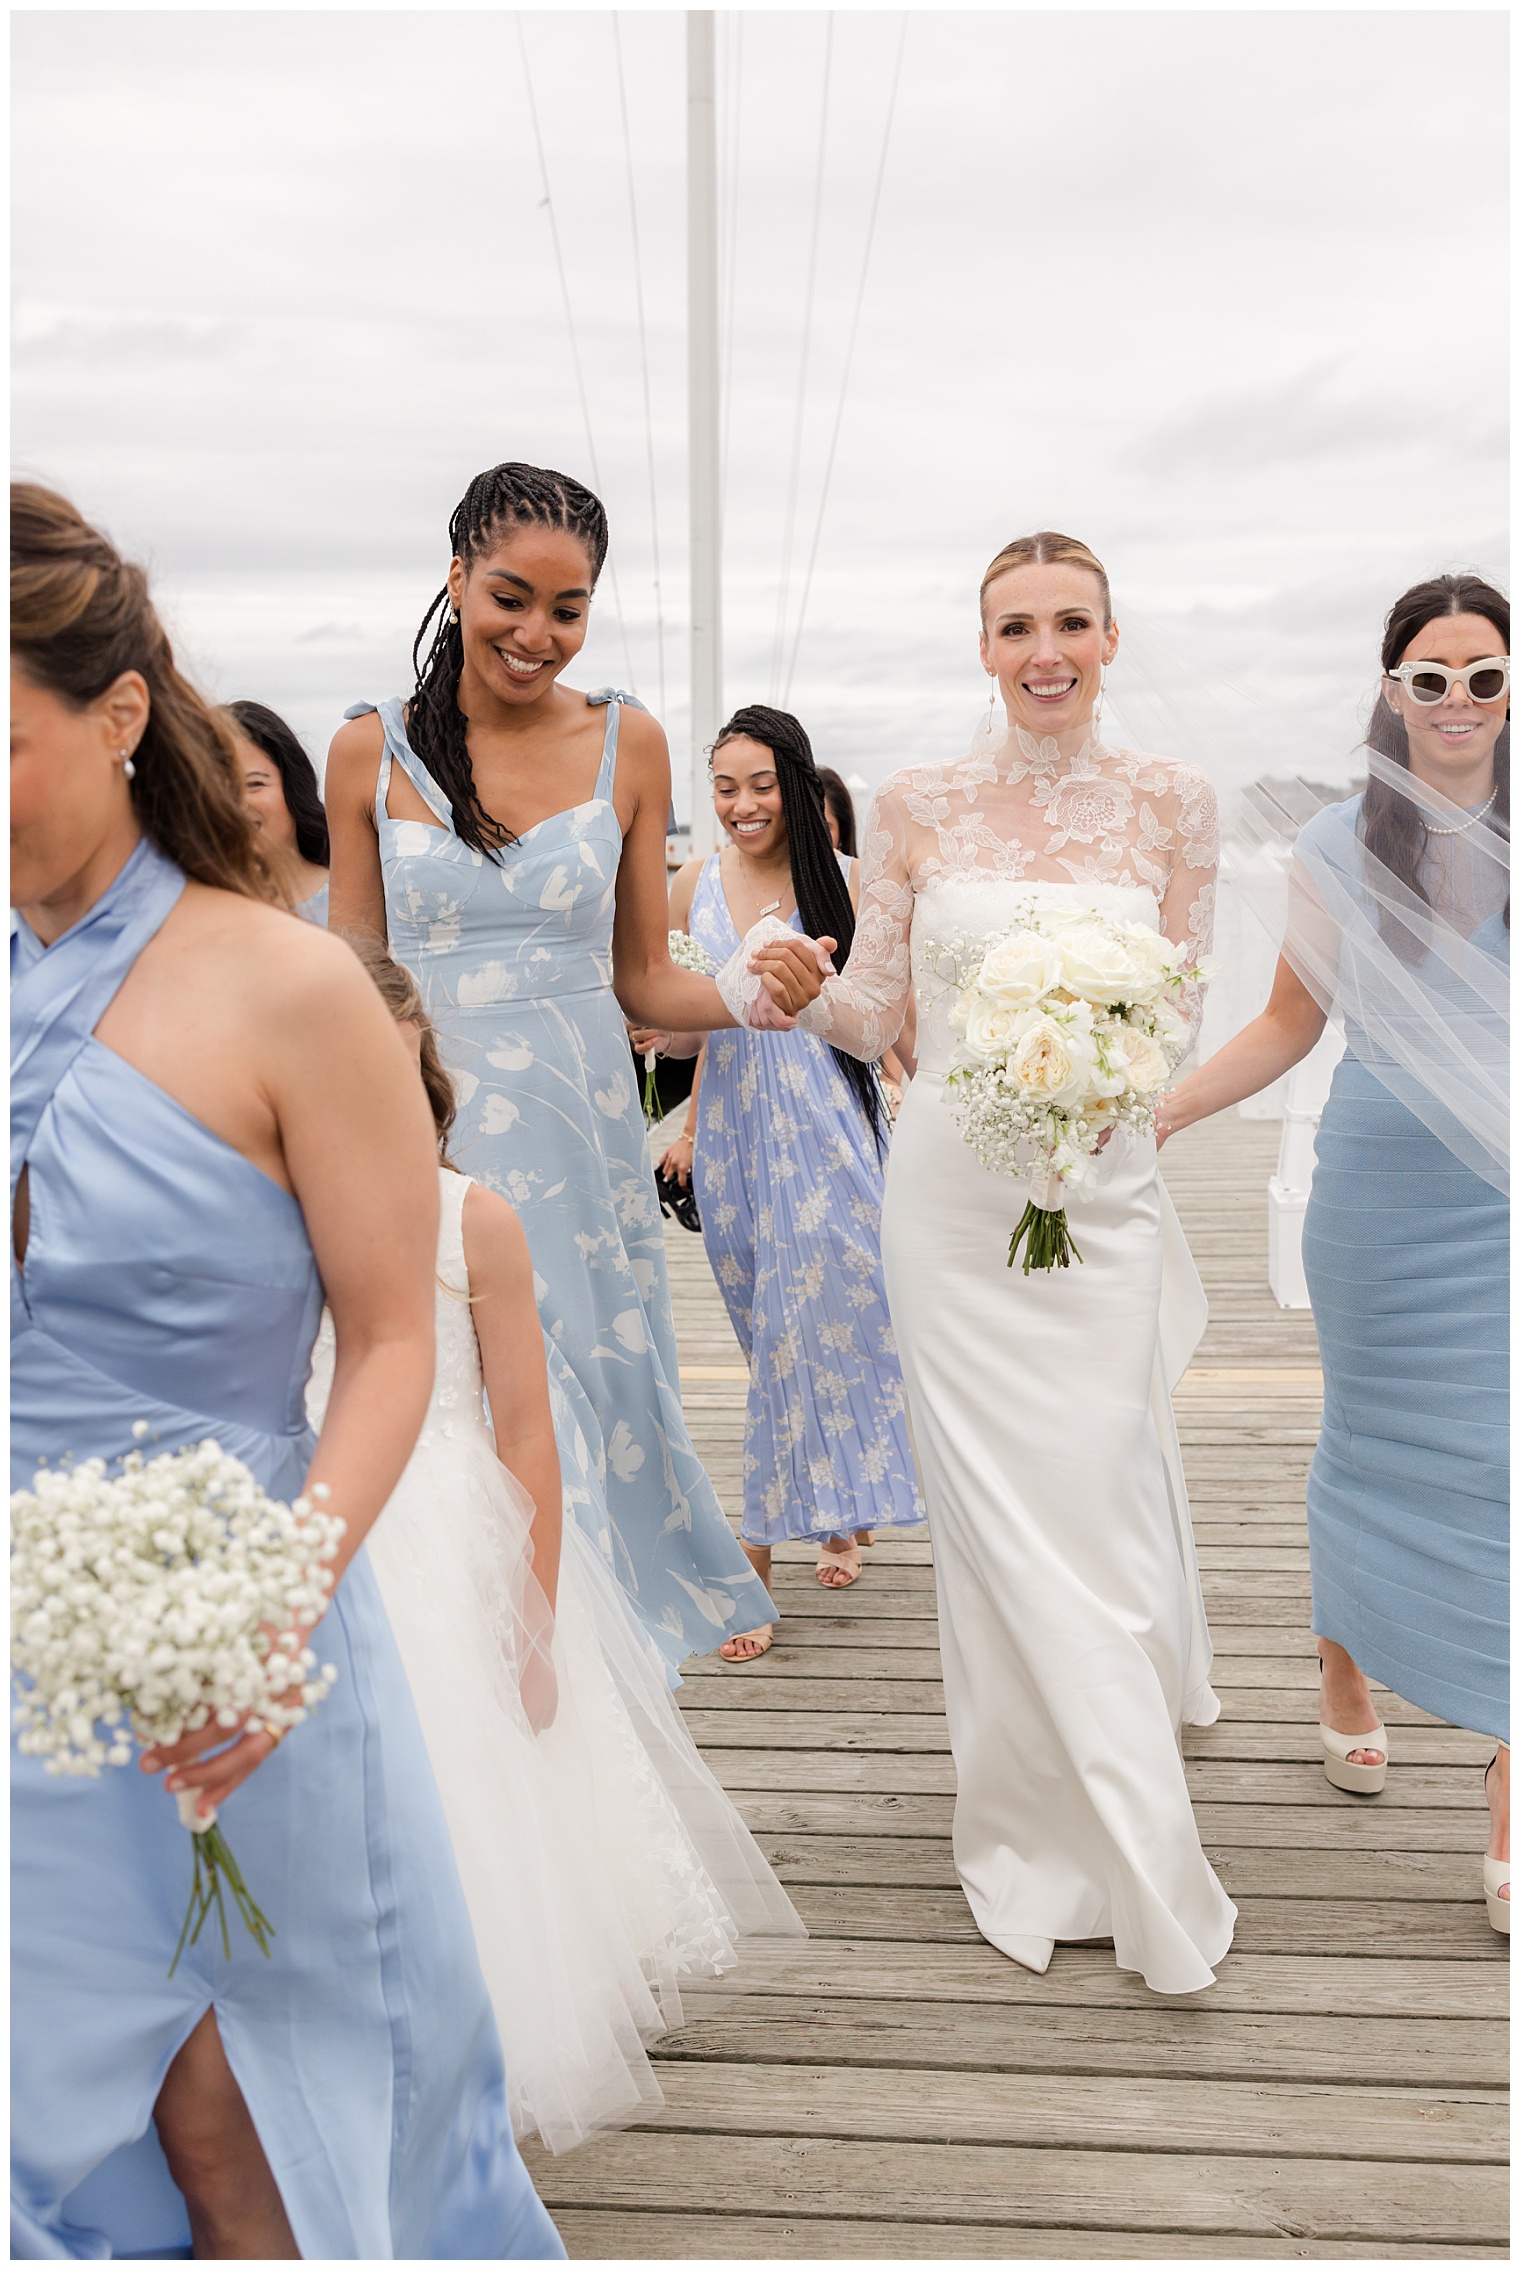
[1197, 2041]
[1261, 1827]
[1086, 2112]
[903, 1862]
[904, 1753]
[1314, 1985]
[637, 2235]
[1446, 1930]
[951, 2183]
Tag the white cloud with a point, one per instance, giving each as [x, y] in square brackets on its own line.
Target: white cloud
[1216, 290]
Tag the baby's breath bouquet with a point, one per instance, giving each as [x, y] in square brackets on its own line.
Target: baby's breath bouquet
[1068, 1027]
[687, 953]
[155, 1601]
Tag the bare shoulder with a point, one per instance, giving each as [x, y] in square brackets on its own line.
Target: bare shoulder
[353, 756]
[641, 741]
[296, 970]
[495, 1246]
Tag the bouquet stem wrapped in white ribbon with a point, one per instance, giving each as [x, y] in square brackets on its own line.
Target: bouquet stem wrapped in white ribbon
[1067, 1029]
[158, 1600]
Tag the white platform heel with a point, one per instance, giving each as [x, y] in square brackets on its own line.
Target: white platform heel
[1362, 1781]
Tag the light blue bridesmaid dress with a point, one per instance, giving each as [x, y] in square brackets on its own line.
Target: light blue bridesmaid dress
[514, 959]
[789, 1187]
[1406, 1254]
[167, 1280]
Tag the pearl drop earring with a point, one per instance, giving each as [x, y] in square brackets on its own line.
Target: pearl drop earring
[453, 614]
[128, 769]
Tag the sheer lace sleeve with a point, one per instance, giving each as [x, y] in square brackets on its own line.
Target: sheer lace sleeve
[862, 1009]
[1187, 903]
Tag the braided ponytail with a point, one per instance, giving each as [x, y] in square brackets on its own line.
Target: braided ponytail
[822, 894]
[508, 496]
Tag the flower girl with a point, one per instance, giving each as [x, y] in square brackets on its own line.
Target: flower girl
[601, 1861]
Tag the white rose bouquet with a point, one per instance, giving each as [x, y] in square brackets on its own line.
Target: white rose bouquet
[155, 1601]
[1067, 1029]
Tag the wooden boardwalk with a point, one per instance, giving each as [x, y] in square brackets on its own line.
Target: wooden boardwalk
[894, 2089]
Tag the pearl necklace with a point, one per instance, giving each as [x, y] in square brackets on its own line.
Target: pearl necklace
[1471, 821]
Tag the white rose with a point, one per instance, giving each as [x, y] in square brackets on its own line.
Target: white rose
[1021, 969]
[992, 1027]
[1053, 1062]
[1103, 966]
[1145, 1062]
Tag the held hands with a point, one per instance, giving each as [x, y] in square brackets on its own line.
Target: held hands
[791, 972]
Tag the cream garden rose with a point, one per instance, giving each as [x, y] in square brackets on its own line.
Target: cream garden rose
[1145, 1060]
[1100, 964]
[1020, 969]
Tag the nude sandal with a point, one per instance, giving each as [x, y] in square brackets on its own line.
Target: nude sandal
[1362, 1781]
[1495, 1883]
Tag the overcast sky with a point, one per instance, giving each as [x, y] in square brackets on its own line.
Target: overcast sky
[1219, 292]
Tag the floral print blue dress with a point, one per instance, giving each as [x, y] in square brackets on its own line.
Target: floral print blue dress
[514, 959]
[789, 1186]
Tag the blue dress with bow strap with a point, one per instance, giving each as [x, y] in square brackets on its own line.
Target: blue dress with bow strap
[166, 1280]
[514, 959]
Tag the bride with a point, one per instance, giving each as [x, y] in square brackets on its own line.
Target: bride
[1071, 1622]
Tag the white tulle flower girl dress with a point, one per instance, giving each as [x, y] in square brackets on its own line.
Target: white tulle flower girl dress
[601, 1861]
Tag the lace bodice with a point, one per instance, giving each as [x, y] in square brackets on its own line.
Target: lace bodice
[1009, 815]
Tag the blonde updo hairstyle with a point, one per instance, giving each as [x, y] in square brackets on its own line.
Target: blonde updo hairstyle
[1048, 548]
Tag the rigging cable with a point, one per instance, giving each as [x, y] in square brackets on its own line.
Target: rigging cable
[638, 286]
[844, 384]
[778, 651]
[575, 351]
[733, 119]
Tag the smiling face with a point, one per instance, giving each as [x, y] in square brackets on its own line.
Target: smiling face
[1451, 741]
[523, 606]
[264, 794]
[747, 797]
[1045, 641]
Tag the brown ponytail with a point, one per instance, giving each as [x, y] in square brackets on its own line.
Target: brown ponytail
[398, 989]
[80, 617]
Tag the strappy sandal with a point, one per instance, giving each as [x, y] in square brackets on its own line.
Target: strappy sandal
[764, 1634]
[1495, 1874]
[840, 1561]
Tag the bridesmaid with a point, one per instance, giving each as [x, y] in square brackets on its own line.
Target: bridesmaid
[1405, 1244]
[284, 803]
[506, 836]
[787, 1165]
[210, 1107]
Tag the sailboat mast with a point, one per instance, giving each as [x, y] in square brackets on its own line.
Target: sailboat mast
[702, 368]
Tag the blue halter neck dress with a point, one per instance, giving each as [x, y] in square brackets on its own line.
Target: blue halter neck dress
[514, 959]
[167, 1280]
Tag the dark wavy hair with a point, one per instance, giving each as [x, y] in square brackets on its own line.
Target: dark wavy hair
[1392, 826]
[507, 497]
[838, 801]
[81, 615]
[298, 779]
[823, 896]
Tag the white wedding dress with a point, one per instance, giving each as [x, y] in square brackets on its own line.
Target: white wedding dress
[1071, 1621]
[601, 1861]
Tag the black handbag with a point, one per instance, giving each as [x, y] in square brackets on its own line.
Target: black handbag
[678, 1200]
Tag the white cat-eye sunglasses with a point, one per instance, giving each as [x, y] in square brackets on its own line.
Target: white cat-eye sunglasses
[1429, 683]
